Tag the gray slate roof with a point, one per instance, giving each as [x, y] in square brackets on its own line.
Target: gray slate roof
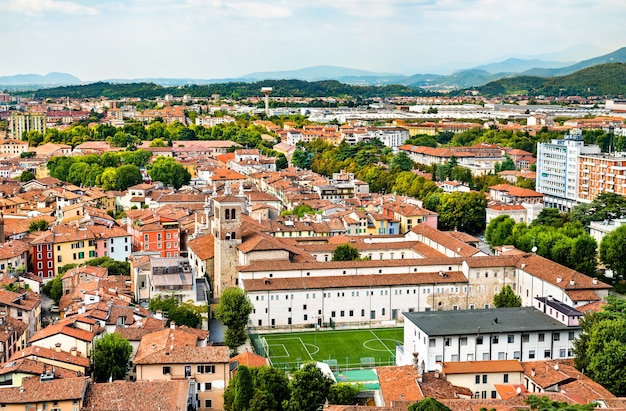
[490, 321]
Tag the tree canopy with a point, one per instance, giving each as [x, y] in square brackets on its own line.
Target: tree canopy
[234, 311]
[507, 298]
[600, 348]
[613, 251]
[169, 172]
[345, 252]
[309, 388]
[110, 357]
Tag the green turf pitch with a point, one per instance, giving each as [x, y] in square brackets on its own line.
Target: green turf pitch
[347, 347]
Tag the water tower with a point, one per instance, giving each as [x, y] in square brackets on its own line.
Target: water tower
[267, 91]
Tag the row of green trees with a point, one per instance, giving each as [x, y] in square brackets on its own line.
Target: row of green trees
[564, 238]
[117, 170]
[265, 389]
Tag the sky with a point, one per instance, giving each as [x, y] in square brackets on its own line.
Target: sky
[212, 39]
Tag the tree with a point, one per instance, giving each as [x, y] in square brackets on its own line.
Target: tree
[309, 388]
[243, 389]
[272, 381]
[600, 348]
[499, 230]
[38, 225]
[181, 314]
[345, 252]
[127, 176]
[343, 393]
[169, 172]
[281, 161]
[428, 404]
[184, 315]
[507, 298]
[114, 267]
[613, 250]
[54, 288]
[550, 216]
[401, 162]
[234, 311]
[545, 403]
[262, 401]
[464, 211]
[27, 176]
[110, 357]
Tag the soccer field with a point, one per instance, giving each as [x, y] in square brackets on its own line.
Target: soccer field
[340, 349]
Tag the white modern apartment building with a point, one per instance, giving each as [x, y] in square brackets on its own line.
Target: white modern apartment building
[523, 333]
[557, 169]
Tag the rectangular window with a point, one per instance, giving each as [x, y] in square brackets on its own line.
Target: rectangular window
[494, 394]
[531, 354]
[477, 379]
[525, 338]
[484, 378]
[556, 336]
[546, 354]
[432, 342]
[479, 340]
[510, 339]
[562, 352]
[506, 378]
[541, 337]
[463, 341]
[208, 403]
[570, 335]
[166, 369]
[495, 339]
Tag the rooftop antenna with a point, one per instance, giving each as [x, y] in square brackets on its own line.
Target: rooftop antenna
[267, 91]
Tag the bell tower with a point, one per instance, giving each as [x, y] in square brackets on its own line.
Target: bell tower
[227, 231]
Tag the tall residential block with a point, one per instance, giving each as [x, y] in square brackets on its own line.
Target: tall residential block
[24, 122]
[558, 169]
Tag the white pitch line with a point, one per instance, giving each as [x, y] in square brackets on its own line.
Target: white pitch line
[381, 341]
[305, 349]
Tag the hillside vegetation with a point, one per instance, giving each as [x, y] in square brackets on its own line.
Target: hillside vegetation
[602, 80]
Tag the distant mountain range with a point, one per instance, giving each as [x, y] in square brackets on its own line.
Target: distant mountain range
[474, 77]
[51, 79]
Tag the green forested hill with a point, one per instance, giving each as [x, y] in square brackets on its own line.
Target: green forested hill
[283, 88]
[601, 80]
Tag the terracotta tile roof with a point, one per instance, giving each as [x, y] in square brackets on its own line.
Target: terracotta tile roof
[360, 264]
[30, 366]
[508, 391]
[36, 391]
[27, 300]
[34, 351]
[250, 359]
[399, 384]
[186, 355]
[445, 240]
[12, 330]
[342, 281]
[465, 367]
[437, 387]
[559, 275]
[13, 248]
[162, 341]
[137, 396]
[203, 247]
[570, 381]
[65, 327]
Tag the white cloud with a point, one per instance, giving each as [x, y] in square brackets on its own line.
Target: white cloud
[45, 6]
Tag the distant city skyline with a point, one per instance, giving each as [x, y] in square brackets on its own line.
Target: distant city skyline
[212, 39]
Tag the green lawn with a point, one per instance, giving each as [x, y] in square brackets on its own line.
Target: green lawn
[346, 347]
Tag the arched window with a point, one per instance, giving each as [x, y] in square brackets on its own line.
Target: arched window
[227, 214]
[232, 214]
